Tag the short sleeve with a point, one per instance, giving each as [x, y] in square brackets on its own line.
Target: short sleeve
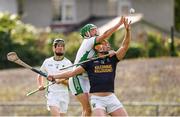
[69, 64]
[115, 59]
[91, 41]
[85, 65]
[43, 67]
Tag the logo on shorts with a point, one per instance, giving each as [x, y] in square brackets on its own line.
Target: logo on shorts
[94, 105]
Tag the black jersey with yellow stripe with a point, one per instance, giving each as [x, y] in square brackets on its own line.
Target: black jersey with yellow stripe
[101, 73]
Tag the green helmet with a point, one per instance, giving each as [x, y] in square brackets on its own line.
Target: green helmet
[85, 30]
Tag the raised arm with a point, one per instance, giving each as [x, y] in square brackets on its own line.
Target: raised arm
[110, 31]
[120, 53]
[67, 74]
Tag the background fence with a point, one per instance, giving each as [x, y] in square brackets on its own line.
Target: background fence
[133, 108]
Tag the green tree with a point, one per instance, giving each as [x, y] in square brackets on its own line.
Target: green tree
[177, 15]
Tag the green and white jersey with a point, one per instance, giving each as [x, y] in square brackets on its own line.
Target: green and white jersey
[80, 83]
[51, 67]
[86, 50]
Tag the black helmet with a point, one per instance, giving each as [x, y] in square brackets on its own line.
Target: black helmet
[58, 41]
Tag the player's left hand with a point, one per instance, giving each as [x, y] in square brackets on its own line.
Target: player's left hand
[62, 81]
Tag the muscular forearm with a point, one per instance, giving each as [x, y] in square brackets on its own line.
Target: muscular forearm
[120, 53]
[64, 75]
[111, 30]
[40, 80]
[127, 38]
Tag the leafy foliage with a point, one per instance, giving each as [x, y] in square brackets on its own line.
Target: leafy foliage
[135, 50]
[33, 45]
[177, 14]
[156, 46]
[18, 37]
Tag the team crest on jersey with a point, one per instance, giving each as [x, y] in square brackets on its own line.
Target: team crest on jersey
[102, 61]
[57, 65]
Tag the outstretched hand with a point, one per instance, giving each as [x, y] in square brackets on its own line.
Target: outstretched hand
[127, 24]
[122, 20]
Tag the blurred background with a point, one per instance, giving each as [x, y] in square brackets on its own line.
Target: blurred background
[148, 79]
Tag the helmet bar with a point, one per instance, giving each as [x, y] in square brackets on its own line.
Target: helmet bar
[58, 41]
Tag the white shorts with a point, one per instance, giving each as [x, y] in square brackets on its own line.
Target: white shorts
[79, 84]
[109, 103]
[58, 99]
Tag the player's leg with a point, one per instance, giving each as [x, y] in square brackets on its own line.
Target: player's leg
[114, 106]
[80, 88]
[99, 112]
[83, 98]
[57, 103]
[52, 104]
[98, 105]
[63, 103]
[119, 112]
[54, 111]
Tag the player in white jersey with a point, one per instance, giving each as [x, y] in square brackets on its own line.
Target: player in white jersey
[80, 86]
[57, 94]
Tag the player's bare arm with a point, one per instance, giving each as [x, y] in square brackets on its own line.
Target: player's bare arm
[67, 74]
[120, 53]
[40, 82]
[109, 32]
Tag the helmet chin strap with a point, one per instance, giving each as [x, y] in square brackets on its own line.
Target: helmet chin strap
[87, 35]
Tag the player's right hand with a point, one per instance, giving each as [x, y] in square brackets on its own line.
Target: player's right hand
[41, 88]
[111, 53]
[50, 78]
[122, 20]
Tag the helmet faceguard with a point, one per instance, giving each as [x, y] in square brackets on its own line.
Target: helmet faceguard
[58, 41]
[103, 47]
[85, 31]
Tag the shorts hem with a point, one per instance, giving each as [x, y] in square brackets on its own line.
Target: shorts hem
[115, 109]
[48, 108]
